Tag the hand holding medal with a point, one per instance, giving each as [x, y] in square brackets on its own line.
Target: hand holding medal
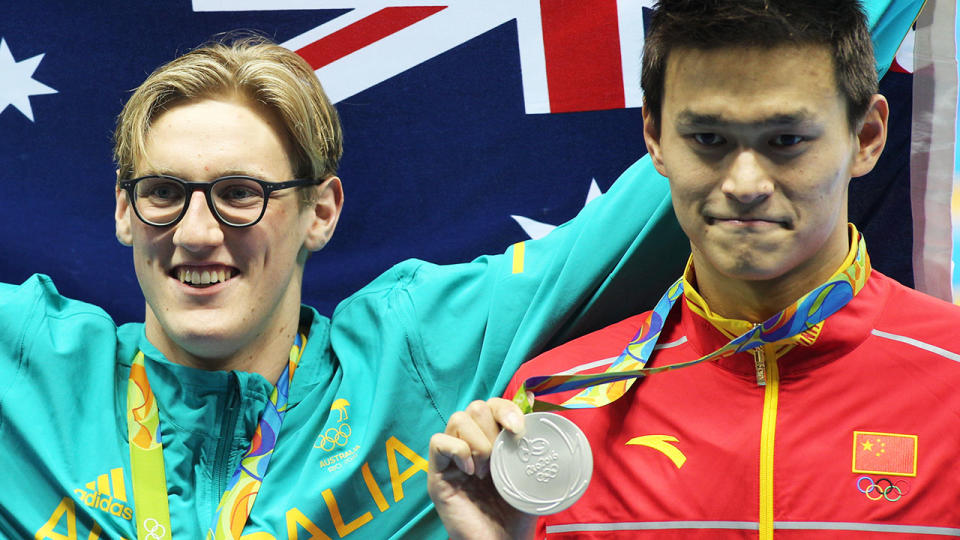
[459, 477]
[491, 483]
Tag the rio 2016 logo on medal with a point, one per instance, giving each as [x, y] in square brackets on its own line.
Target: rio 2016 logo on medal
[546, 470]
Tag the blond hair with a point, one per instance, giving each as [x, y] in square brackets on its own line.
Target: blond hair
[254, 67]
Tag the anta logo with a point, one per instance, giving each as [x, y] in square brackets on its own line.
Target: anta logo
[99, 494]
[661, 443]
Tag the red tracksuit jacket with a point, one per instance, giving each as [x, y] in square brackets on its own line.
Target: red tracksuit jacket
[855, 435]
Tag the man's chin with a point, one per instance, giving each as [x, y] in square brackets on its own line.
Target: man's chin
[193, 337]
[748, 262]
[755, 273]
[211, 341]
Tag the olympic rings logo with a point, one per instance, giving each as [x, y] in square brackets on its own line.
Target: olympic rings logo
[547, 473]
[334, 437]
[545, 468]
[883, 488]
[155, 531]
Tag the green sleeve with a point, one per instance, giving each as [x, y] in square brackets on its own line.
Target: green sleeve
[467, 327]
[889, 21]
[23, 309]
[20, 306]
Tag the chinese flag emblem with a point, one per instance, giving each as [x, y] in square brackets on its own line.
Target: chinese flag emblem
[884, 453]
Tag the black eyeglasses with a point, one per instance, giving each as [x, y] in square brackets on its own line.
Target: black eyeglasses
[237, 201]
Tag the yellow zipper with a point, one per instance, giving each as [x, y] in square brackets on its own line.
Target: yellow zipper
[771, 381]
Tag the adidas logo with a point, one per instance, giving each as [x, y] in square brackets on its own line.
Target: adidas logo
[102, 497]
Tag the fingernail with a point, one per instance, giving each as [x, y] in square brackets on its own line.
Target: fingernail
[513, 423]
[465, 465]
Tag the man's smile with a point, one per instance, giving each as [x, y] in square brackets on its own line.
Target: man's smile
[203, 275]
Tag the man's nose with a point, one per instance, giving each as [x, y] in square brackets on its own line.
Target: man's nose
[199, 228]
[747, 180]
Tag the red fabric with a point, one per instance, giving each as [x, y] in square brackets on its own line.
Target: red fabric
[848, 380]
[358, 35]
[581, 41]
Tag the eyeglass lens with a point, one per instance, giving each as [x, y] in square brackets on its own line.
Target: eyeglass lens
[238, 201]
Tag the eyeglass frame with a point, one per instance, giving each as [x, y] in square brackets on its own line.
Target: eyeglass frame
[206, 187]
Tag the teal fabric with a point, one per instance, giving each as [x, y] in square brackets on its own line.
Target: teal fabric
[396, 360]
[889, 22]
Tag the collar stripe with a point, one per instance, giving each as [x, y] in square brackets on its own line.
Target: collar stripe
[918, 344]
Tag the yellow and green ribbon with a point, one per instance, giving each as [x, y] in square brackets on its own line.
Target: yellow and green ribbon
[146, 455]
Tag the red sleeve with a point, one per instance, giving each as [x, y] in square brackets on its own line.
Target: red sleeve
[541, 528]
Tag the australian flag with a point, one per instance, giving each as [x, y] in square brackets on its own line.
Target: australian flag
[469, 125]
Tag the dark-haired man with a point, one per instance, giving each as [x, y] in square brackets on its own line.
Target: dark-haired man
[835, 415]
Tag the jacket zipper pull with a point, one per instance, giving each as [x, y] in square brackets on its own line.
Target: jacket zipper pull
[760, 365]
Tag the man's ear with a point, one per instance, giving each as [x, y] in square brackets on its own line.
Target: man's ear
[871, 137]
[122, 215]
[651, 136]
[325, 213]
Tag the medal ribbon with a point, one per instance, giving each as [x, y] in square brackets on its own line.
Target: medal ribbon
[603, 388]
[146, 456]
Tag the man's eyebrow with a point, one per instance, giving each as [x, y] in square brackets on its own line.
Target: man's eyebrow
[228, 172]
[150, 171]
[237, 172]
[690, 118]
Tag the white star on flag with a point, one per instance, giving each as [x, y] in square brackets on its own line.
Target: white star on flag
[18, 83]
[536, 229]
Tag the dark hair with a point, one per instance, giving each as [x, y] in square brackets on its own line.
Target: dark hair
[710, 24]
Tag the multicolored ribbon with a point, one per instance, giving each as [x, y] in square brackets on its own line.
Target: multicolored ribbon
[603, 388]
[146, 456]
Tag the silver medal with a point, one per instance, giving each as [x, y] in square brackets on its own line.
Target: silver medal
[547, 469]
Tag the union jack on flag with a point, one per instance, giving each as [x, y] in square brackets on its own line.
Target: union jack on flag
[575, 56]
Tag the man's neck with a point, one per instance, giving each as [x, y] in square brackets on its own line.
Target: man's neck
[751, 301]
[267, 353]
[756, 301]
